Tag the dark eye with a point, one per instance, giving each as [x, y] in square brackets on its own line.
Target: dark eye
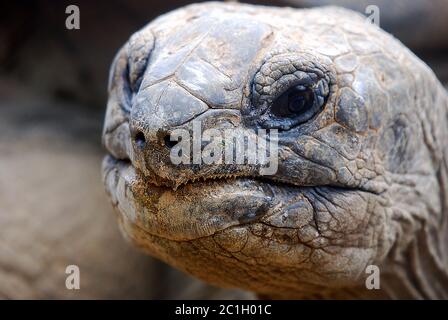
[296, 101]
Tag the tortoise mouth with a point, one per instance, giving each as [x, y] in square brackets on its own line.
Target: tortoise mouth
[204, 179]
[186, 181]
[201, 207]
[196, 209]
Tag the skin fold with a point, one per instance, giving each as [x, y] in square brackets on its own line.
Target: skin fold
[362, 181]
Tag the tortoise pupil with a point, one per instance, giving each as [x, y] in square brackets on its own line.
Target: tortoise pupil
[293, 102]
[300, 99]
[296, 102]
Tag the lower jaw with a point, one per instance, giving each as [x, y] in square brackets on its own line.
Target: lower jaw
[260, 267]
[217, 230]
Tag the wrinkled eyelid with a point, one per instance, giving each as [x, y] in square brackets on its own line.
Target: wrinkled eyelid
[267, 93]
[284, 70]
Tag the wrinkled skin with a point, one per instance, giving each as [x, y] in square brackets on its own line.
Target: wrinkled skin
[362, 182]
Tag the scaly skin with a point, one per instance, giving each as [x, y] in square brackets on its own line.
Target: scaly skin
[362, 182]
[417, 23]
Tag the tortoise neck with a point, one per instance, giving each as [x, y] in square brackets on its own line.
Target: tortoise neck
[420, 271]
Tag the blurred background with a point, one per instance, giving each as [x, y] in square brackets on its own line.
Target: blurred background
[53, 208]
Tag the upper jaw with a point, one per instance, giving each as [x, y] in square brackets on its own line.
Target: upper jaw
[180, 181]
[178, 178]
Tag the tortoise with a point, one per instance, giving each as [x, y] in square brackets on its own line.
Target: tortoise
[361, 127]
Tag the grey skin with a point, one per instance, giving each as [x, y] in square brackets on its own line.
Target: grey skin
[363, 181]
[419, 24]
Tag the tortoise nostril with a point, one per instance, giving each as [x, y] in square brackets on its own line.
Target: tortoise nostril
[168, 143]
[140, 139]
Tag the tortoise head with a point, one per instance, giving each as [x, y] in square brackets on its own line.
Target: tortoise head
[277, 150]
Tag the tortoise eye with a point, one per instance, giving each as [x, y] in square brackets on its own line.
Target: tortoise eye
[296, 101]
